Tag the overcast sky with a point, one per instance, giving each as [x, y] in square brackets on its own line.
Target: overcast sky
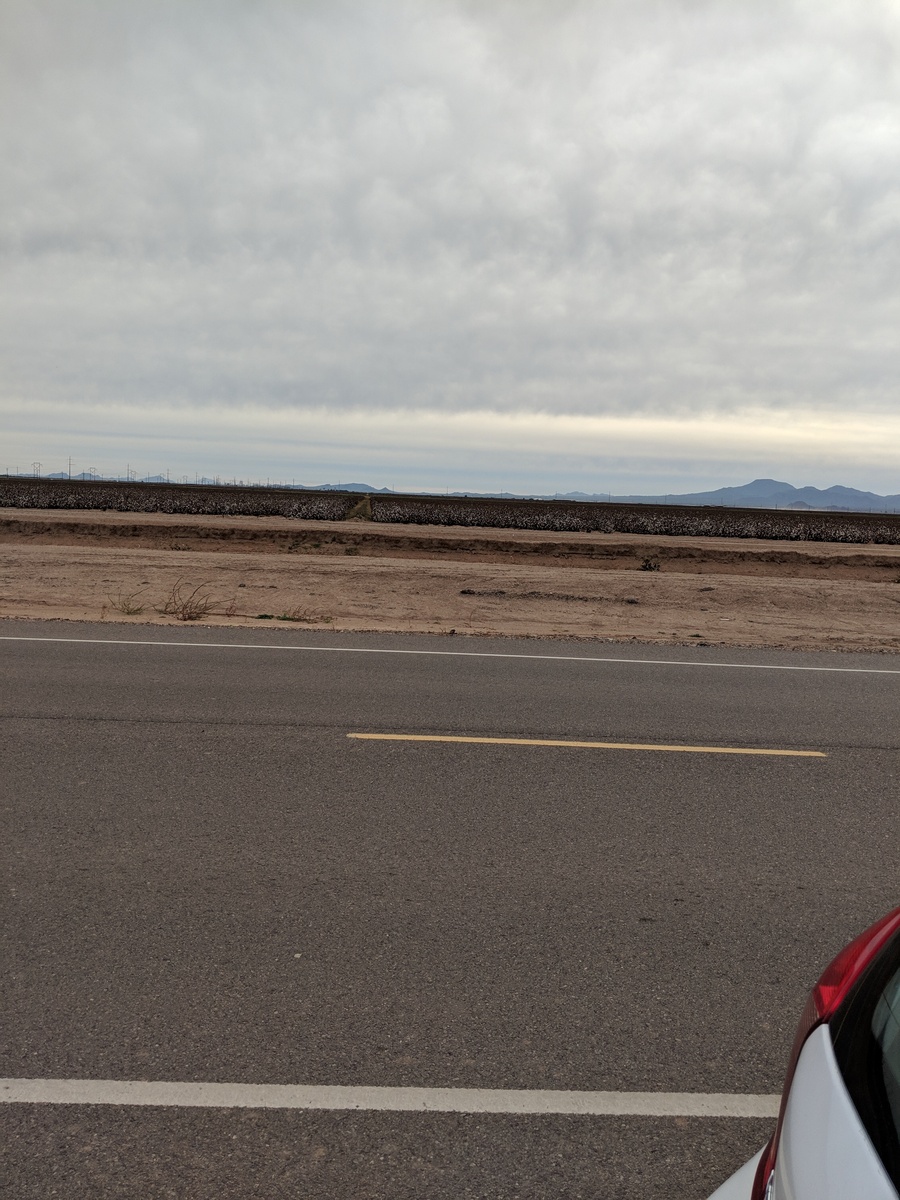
[638, 246]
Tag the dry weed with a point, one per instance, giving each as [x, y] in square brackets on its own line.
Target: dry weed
[307, 616]
[185, 605]
[126, 603]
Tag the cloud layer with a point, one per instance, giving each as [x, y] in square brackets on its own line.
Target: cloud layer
[676, 218]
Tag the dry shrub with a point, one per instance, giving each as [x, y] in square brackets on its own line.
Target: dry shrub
[126, 603]
[307, 616]
[185, 605]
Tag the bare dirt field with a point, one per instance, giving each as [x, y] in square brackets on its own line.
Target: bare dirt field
[354, 575]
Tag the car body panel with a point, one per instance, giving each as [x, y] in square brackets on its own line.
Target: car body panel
[838, 1131]
[825, 1152]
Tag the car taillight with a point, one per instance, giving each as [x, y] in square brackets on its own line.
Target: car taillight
[825, 999]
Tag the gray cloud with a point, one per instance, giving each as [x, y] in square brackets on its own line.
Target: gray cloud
[645, 209]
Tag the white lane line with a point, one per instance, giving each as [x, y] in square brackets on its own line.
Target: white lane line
[638, 662]
[385, 1099]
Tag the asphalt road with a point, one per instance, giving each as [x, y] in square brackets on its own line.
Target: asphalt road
[209, 881]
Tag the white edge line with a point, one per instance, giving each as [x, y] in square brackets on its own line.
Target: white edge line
[386, 1099]
[648, 662]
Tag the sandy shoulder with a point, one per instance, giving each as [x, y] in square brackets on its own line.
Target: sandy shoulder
[433, 594]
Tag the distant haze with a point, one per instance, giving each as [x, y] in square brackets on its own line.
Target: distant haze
[620, 246]
[761, 493]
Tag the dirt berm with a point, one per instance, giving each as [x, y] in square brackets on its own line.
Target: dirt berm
[255, 535]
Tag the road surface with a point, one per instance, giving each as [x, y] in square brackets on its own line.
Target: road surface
[213, 880]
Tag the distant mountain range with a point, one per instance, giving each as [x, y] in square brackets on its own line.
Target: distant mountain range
[761, 493]
[768, 493]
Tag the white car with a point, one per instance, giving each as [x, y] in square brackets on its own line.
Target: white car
[838, 1132]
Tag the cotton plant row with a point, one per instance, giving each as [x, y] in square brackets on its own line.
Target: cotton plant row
[542, 515]
[172, 498]
[580, 517]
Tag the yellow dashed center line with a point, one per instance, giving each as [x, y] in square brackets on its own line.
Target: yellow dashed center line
[500, 741]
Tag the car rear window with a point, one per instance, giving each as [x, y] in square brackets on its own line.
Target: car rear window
[886, 1031]
[866, 1036]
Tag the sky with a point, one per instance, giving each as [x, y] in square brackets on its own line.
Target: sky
[523, 245]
